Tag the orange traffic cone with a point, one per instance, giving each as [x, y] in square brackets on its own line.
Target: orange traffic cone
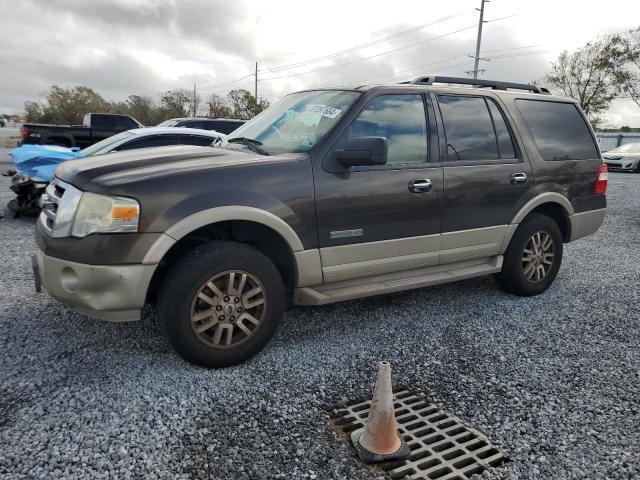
[379, 440]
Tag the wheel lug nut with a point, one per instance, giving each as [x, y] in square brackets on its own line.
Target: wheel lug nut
[219, 307]
[236, 300]
[226, 299]
[239, 309]
[221, 317]
[232, 318]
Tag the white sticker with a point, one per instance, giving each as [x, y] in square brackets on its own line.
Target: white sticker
[324, 110]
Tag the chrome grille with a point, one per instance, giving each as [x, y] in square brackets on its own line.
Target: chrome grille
[59, 204]
[49, 203]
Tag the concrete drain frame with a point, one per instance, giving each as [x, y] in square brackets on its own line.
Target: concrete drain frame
[442, 446]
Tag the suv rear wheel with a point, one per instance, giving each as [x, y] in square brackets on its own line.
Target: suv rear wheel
[533, 257]
[221, 303]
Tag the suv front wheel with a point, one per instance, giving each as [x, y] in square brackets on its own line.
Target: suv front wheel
[533, 257]
[221, 303]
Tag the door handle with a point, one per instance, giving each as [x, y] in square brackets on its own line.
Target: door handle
[517, 178]
[420, 185]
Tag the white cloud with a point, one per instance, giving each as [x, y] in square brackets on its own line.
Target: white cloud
[120, 47]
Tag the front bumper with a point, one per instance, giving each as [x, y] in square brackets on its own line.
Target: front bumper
[107, 292]
[622, 165]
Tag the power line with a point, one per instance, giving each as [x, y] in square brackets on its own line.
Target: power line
[359, 47]
[512, 48]
[209, 87]
[373, 56]
[450, 59]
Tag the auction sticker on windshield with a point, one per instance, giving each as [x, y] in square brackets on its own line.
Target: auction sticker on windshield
[324, 110]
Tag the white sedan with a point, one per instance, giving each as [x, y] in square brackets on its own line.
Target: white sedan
[624, 158]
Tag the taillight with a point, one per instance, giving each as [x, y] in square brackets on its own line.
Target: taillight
[602, 175]
[25, 133]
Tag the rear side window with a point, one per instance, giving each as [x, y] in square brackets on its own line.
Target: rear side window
[124, 123]
[475, 129]
[196, 140]
[559, 130]
[103, 122]
[151, 141]
[505, 144]
[222, 126]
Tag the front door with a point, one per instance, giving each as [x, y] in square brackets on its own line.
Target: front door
[487, 180]
[381, 219]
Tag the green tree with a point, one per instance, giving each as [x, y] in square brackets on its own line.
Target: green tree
[244, 105]
[66, 105]
[143, 109]
[629, 76]
[175, 103]
[69, 105]
[33, 111]
[217, 106]
[592, 75]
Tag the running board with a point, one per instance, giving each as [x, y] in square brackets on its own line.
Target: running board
[395, 282]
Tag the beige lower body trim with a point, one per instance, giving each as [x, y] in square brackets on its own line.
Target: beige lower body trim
[586, 223]
[108, 292]
[363, 259]
[475, 243]
[395, 282]
[309, 267]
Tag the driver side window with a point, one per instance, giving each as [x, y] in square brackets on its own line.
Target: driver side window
[401, 119]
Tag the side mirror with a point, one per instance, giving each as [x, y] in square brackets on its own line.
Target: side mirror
[364, 151]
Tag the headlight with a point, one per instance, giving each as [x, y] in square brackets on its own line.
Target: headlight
[102, 214]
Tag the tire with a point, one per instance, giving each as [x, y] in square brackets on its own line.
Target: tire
[525, 278]
[186, 303]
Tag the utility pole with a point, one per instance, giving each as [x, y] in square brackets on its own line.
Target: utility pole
[194, 100]
[255, 91]
[477, 57]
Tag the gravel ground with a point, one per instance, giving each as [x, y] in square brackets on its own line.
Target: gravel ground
[553, 380]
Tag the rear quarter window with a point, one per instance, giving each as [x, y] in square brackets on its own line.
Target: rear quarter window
[559, 130]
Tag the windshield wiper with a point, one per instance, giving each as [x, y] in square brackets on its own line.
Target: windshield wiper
[253, 145]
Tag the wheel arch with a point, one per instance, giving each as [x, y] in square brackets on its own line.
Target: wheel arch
[554, 205]
[261, 229]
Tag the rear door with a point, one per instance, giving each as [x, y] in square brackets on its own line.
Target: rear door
[486, 177]
[564, 150]
[371, 220]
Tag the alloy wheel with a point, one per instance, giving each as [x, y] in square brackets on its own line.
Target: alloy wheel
[228, 309]
[538, 256]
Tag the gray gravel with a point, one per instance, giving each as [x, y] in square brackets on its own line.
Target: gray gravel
[553, 379]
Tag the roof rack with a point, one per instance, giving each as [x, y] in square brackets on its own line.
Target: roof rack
[493, 84]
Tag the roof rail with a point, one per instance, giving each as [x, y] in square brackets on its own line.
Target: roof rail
[493, 84]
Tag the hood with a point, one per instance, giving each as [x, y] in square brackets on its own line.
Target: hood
[620, 155]
[29, 152]
[135, 165]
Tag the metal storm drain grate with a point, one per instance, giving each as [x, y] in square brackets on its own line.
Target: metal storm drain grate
[442, 447]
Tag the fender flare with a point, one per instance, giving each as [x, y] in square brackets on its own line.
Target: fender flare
[548, 197]
[543, 198]
[216, 215]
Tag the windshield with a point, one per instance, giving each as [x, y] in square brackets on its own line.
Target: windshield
[105, 145]
[296, 123]
[168, 123]
[628, 148]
